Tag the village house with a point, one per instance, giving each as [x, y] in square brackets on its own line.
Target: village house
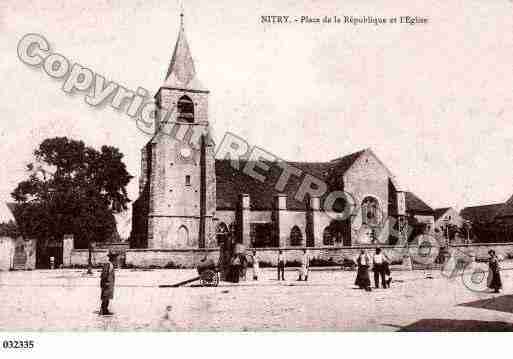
[491, 222]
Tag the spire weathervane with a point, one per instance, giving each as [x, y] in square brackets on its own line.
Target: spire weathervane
[181, 72]
[181, 14]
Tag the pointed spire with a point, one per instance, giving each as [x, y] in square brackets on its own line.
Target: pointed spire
[181, 72]
[181, 18]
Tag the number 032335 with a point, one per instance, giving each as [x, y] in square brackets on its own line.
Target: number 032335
[17, 344]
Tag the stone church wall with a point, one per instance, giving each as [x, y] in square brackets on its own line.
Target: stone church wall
[367, 177]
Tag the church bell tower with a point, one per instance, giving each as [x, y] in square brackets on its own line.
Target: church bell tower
[182, 188]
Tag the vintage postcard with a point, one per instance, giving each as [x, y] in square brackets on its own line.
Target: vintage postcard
[318, 166]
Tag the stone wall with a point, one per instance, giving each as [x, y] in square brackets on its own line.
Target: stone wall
[79, 257]
[480, 251]
[189, 258]
[172, 258]
[328, 255]
[168, 258]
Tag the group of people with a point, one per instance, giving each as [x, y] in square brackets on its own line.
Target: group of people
[239, 265]
[379, 263]
[240, 262]
[380, 266]
[304, 268]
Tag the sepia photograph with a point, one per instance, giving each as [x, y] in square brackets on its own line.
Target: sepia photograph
[266, 166]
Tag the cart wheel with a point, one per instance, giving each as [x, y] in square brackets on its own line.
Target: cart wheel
[209, 278]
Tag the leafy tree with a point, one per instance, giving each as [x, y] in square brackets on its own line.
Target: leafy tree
[72, 188]
[9, 229]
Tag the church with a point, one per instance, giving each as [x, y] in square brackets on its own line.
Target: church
[190, 200]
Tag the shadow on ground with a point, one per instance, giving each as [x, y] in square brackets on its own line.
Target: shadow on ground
[504, 303]
[455, 325]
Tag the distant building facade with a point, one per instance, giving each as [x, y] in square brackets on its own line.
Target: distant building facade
[448, 222]
[491, 222]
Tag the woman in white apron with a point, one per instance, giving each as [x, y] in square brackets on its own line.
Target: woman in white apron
[305, 266]
[256, 265]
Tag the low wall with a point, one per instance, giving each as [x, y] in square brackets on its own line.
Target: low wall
[189, 258]
[168, 258]
[112, 246]
[80, 257]
[480, 250]
[328, 255]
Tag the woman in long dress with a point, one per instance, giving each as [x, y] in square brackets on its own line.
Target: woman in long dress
[243, 266]
[386, 269]
[494, 276]
[362, 275]
[235, 268]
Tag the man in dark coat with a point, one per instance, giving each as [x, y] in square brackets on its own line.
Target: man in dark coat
[107, 284]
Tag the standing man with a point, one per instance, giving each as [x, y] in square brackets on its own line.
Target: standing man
[378, 268]
[281, 265]
[107, 280]
[305, 266]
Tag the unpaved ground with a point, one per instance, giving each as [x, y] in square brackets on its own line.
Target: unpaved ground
[68, 300]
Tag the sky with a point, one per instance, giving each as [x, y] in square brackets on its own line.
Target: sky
[433, 101]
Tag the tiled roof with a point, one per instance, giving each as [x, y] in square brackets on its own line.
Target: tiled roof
[439, 212]
[507, 209]
[481, 214]
[231, 182]
[415, 205]
[342, 164]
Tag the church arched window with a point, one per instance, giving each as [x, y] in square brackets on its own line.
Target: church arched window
[327, 237]
[185, 109]
[370, 211]
[296, 237]
[182, 237]
[222, 233]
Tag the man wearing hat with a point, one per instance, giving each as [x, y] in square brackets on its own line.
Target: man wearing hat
[107, 283]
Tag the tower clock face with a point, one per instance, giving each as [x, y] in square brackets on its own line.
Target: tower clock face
[185, 152]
